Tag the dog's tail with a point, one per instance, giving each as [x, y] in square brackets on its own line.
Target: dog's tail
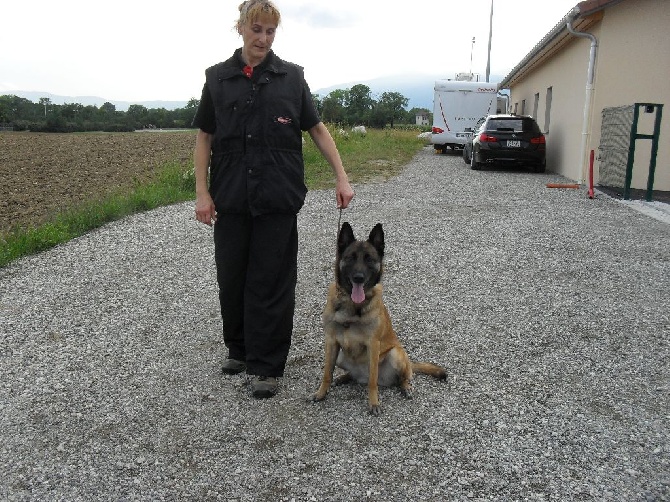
[430, 369]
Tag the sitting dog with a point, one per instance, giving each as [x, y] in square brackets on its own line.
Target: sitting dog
[357, 325]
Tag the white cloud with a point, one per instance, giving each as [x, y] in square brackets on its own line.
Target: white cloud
[322, 16]
[143, 50]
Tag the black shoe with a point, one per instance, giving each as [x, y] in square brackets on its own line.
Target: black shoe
[233, 366]
[263, 387]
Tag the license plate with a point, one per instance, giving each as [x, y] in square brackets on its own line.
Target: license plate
[512, 143]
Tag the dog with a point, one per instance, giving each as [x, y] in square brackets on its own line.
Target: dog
[359, 337]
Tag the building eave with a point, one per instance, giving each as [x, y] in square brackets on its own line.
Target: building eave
[583, 16]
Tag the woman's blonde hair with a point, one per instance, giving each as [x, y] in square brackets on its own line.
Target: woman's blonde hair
[253, 10]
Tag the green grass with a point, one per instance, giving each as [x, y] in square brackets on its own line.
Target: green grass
[175, 183]
[378, 155]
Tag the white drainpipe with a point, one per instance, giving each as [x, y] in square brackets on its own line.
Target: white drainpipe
[589, 91]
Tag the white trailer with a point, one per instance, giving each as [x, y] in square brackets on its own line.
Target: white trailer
[459, 108]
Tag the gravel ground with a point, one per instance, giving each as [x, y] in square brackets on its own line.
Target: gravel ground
[549, 309]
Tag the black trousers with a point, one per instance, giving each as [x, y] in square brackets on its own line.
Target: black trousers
[256, 263]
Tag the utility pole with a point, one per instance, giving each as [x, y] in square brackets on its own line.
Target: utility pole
[472, 47]
[488, 60]
[45, 102]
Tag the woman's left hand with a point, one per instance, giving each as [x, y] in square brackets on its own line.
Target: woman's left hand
[344, 193]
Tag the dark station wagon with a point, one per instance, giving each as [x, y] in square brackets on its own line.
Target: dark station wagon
[508, 140]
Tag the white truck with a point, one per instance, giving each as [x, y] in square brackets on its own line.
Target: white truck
[459, 108]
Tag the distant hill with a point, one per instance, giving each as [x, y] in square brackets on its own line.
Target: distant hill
[122, 106]
[418, 89]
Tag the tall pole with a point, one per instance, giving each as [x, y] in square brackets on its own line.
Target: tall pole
[472, 47]
[488, 61]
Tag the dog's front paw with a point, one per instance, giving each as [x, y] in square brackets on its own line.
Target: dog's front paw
[408, 392]
[375, 409]
[318, 396]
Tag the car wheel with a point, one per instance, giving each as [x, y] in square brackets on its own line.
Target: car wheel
[466, 157]
[473, 163]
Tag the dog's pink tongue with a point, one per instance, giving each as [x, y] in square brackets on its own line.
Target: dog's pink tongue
[357, 293]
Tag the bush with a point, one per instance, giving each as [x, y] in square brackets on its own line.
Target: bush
[22, 125]
[117, 128]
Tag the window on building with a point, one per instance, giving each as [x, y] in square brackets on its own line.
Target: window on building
[536, 103]
[523, 107]
[516, 107]
[547, 113]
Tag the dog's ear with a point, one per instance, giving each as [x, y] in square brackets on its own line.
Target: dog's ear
[377, 239]
[345, 237]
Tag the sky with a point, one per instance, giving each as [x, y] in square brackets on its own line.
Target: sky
[145, 50]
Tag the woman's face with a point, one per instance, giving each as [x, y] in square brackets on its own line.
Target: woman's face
[257, 37]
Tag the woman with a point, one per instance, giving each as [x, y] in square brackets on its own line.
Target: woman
[253, 110]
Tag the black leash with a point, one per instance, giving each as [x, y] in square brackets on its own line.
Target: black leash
[337, 234]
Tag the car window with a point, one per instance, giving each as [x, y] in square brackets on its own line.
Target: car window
[515, 125]
[512, 125]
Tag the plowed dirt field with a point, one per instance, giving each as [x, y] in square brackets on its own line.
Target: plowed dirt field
[43, 174]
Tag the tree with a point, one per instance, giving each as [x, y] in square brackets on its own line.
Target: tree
[6, 109]
[393, 104]
[108, 107]
[56, 123]
[88, 115]
[71, 110]
[137, 116]
[333, 106]
[160, 117]
[359, 103]
[318, 103]
[184, 116]
[13, 108]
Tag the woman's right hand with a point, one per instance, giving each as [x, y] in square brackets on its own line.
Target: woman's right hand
[205, 210]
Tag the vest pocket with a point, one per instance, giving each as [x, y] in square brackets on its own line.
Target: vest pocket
[228, 183]
[278, 187]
